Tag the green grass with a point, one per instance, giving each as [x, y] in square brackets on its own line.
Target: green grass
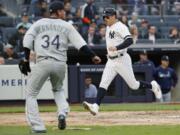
[104, 107]
[98, 130]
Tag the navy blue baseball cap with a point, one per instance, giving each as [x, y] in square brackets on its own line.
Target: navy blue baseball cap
[56, 5]
[144, 52]
[165, 58]
[109, 12]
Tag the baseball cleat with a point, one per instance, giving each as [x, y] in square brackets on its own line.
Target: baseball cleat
[156, 89]
[61, 122]
[92, 108]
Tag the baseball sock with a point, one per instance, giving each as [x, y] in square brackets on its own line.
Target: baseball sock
[100, 95]
[144, 84]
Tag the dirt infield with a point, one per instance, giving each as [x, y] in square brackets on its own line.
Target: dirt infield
[103, 118]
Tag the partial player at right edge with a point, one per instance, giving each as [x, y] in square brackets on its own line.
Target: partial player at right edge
[118, 39]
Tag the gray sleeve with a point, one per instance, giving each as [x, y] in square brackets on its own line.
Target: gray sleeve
[75, 38]
[29, 37]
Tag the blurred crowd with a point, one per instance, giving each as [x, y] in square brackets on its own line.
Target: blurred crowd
[145, 19]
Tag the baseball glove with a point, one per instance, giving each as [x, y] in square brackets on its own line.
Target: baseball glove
[24, 67]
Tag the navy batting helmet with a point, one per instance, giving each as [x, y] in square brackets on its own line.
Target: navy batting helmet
[56, 5]
[109, 12]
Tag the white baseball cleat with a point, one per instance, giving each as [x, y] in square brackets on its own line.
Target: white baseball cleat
[156, 89]
[92, 108]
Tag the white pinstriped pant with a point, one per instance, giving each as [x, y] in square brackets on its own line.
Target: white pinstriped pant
[121, 66]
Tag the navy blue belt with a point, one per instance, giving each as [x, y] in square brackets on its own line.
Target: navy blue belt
[116, 56]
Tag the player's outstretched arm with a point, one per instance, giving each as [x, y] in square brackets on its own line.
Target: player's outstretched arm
[85, 49]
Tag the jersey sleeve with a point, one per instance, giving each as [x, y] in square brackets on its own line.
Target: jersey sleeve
[29, 37]
[75, 38]
[124, 31]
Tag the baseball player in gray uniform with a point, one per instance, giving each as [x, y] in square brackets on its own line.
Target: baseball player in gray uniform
[118, 38]
[49, 37]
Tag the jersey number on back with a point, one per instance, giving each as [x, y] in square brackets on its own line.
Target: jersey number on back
[47, 42]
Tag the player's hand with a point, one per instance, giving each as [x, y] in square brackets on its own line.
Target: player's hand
[96, 59]
[112, 48]
[24, 67]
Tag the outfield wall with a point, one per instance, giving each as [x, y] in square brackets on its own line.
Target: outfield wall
[13, 84]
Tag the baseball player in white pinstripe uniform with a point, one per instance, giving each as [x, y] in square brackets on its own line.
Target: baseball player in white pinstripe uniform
[118, 38]
[50, 37]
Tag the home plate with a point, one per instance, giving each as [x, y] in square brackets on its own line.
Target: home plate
[73, 128]
[77, 128]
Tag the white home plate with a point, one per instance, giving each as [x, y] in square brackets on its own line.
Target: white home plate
[77, 128]
[72, 128]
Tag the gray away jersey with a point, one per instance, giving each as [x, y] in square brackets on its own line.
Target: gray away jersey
[51, 38]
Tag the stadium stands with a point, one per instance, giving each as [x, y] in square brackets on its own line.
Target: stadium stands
[162, 20]
[8, 32]
[6, 21]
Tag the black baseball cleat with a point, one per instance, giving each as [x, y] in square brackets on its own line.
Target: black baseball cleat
[38, 131]
[61, 122]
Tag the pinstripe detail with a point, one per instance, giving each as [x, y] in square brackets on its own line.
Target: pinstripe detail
[124, 69]
[109, 74]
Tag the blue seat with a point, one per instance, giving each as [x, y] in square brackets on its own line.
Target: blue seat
[6, 21]
[172, 18]
[145, 41]
[7, 32]
[164, 31]
[151, 18]
[171, 23]
[159, 24]
[164, 41]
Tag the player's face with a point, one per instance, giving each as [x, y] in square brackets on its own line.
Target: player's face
[61, 14]
[165, 63]
[109, 20]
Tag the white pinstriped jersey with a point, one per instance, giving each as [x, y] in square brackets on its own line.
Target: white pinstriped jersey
[115, 35]
[51, 38]
[122, 65]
